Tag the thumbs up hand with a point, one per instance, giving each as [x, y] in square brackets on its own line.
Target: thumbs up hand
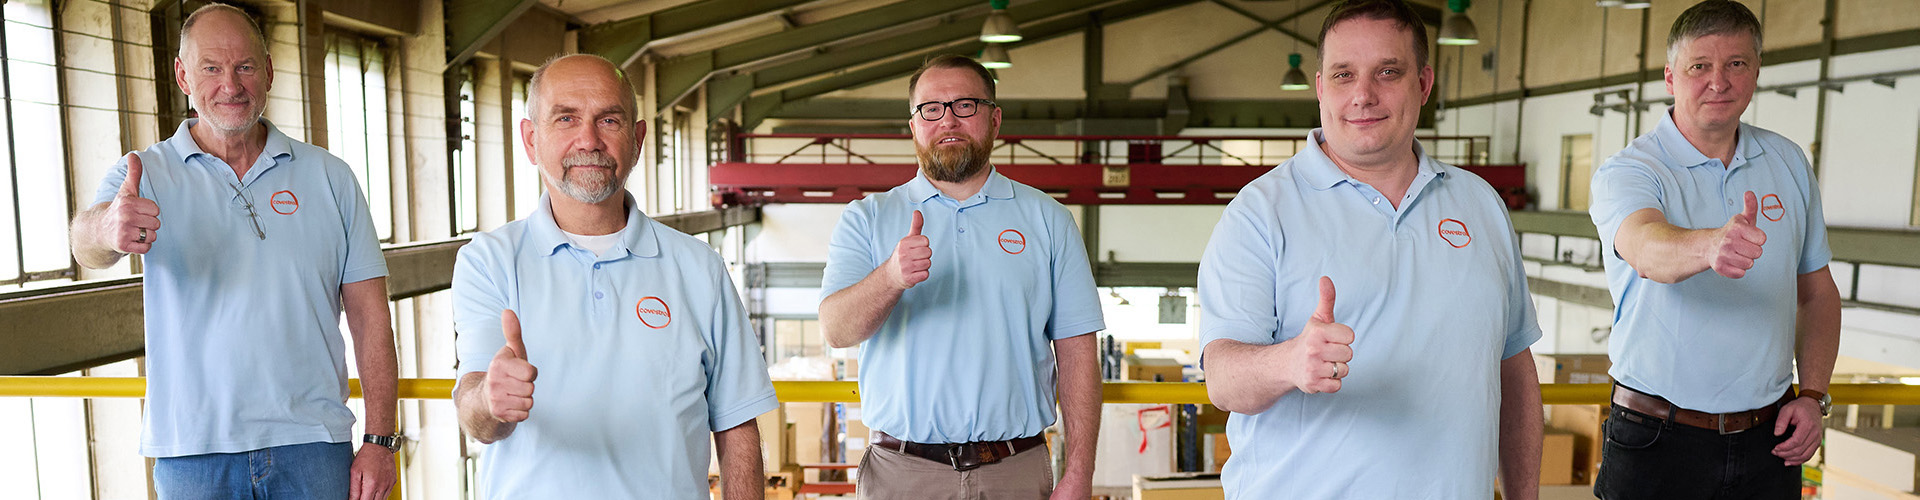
[1736, 245]
[912, 259]
[1316, 360]
[510, 376]
[132, 223]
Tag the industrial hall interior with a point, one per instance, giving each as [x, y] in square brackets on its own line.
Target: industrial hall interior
[799, 249]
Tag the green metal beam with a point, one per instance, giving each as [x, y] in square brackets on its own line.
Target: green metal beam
[957, 37]
[803, 40]
[724, 92]
[1889, 247]
[624, 40]
[618, 41]
[62, 329]
[675, 78]
[472, 23]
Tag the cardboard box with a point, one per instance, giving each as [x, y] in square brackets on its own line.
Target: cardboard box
[1585, 423]
[1147, 369]
[1188, 486]
[776, 440]
[1581, 369]
[1221, 451]
[1556, 458]
[809, 434]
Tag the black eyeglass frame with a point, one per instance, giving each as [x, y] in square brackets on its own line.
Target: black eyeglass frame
[921, 109]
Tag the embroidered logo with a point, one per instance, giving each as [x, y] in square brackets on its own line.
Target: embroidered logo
[1455, 233]
[1012, 241]
[1771, 208]
[284, 203]
[653, 312]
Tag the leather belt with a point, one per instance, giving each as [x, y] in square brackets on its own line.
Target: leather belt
[1724, 423]
[962, 456]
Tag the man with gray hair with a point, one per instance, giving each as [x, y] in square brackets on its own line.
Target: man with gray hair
[643, 350]
[269, 240]
[1715, 249]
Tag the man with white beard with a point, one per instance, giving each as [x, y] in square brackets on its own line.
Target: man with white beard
[267, 241]
[642, 341]
[969, 294]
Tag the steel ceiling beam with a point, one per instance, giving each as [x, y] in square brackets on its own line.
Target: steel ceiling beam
[623, 41]
[471, 24]
[675, 82]
[902, 55]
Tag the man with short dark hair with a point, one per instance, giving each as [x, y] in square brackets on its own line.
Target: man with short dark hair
[268, 240]
[1703, 361]
[969, 294]
[1418, 382]
[641, 349]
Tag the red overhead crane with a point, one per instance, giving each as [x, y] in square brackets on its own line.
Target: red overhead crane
[1076, 170]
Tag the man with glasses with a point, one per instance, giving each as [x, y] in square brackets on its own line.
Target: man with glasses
[972, 298]
[1418, 381]
[1716, 254]
[265, 241]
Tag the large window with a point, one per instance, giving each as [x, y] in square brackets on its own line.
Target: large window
[357, 120]
[466, 161]
[526, 175]
[1576, 169]
[33, 185]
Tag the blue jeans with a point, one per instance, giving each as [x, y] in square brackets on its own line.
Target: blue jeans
[296, 471]
[1648, 457]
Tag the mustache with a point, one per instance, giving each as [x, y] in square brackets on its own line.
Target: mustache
[587, 158]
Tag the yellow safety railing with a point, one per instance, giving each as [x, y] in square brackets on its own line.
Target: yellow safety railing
[829, 392]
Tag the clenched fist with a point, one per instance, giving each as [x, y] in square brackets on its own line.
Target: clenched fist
[1316, 360]
[1736, 245]
[912, 259]
[132, 223]
[510, 376]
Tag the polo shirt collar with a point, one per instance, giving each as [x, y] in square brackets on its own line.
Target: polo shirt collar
[1685, 155]
[638, 239]
[278, 146]
[998, 187]
[1322, 174]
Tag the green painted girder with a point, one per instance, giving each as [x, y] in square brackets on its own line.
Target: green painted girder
[472, 23]
[957, 38]
[675, 80]
[622, 41]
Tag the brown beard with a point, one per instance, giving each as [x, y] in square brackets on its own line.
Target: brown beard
[947, 165]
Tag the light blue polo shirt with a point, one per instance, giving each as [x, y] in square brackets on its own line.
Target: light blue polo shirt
[643, 353]
[244, 350]
[1436, 297]
[967, 355]
[1710, 343]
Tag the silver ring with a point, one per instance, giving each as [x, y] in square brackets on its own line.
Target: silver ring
[143, 239]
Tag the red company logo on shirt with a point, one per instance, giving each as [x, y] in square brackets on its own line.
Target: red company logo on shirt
[284, 203]
[1012, 241]
[1771, 208]
[1455, 233]
[653, 312]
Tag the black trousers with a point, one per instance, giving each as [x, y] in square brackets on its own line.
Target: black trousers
[1648, 457]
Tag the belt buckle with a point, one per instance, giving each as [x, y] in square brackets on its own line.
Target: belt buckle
[1721, 420]
[953, 457]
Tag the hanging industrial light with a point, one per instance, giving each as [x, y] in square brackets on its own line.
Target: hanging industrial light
[1295, 79]
[995, 57]
[1457, 29]
[1609, 3]
[1000, 27]
[1636, 4]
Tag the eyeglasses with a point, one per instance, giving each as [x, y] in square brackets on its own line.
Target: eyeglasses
[962, 108]
[250, 213]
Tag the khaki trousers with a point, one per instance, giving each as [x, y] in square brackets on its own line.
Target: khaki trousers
[887, 474]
